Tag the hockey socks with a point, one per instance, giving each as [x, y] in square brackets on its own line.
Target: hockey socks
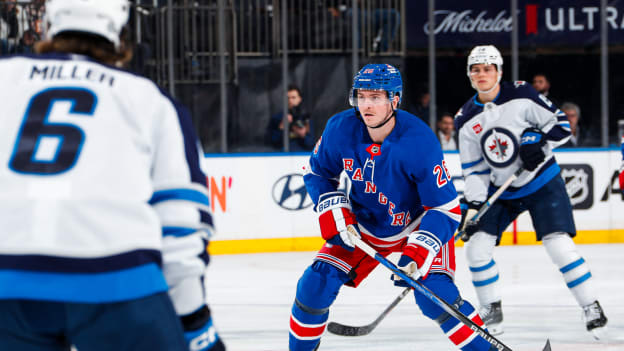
[316, 291]
[461, 335]
[483, 268]
[575, 271]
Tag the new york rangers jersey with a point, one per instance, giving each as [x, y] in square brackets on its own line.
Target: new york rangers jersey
[392, 184]
[102, 198]
[489, 136]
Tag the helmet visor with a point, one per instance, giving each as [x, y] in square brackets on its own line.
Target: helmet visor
[377, 97]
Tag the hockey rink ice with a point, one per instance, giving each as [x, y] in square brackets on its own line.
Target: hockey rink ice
[251, 296]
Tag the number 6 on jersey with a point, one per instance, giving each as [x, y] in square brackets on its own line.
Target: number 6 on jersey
[35, 151]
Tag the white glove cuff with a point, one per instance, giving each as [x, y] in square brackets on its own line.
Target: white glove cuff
[187, 296]
[427, 240]
[333, 200]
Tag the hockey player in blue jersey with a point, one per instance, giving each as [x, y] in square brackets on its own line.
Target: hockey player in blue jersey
[504, 127]
[103, 206]
[401, 200]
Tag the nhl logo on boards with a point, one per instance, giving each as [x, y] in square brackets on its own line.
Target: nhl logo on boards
[579, 179]
[499, 147]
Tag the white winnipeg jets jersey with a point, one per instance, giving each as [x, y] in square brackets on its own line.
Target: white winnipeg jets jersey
[100, 186]
[489, 140]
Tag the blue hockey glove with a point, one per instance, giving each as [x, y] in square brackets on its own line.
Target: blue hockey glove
[531, 144]
[335, 216]
[199, 332]
[467, 225]
[418, 254]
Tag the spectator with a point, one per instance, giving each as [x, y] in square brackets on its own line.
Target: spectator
[13, 23]
[446, 132]
[580, 136]
[384, 22]
[541, 83]
[27, 42]
[300, 136]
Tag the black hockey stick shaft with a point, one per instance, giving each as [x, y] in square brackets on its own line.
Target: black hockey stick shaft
[450, 309]
[488, 203]
[347, 330]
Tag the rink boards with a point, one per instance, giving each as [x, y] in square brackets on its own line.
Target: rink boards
[260, 204]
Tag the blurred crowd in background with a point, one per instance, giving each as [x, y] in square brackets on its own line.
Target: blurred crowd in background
[320, 36]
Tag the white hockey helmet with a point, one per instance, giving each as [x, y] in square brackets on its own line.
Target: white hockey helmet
[485, 54]
[105, 18]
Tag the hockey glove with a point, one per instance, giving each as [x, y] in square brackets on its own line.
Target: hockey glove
[531, 144]
[418, 254]
[334, 216]
[469, 211]
[199, 332]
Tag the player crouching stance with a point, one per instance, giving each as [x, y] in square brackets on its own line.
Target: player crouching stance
[502, 128]
[401, 200]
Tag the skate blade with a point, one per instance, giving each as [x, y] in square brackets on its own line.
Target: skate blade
[600, 334]
[495, 329]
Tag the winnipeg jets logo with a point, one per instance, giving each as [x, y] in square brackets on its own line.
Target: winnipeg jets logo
[499, 147]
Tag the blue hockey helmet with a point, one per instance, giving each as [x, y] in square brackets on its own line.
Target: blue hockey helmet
[377, 77]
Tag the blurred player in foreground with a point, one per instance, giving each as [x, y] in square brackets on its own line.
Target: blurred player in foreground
[103, 206]
[401, 200]
[504, 127]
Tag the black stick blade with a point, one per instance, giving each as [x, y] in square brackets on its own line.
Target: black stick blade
[547, 347]
[347, 330]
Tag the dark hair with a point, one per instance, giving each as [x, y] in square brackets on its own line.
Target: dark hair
[543, 75]
[444, 114]
[91, 45]
[292, 87]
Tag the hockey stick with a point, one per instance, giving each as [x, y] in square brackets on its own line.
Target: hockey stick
[347, 330]
[488, 203]
[450, 309]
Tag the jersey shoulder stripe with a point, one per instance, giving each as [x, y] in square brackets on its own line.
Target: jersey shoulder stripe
[523, 90]
[470, 109]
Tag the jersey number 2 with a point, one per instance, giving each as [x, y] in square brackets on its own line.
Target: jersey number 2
[29, 156]
[442, 174]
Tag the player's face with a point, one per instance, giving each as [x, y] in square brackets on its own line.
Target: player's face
[374, 106]
[483, 76]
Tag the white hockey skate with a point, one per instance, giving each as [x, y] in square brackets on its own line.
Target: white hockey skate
[492, 316]
[595, 320]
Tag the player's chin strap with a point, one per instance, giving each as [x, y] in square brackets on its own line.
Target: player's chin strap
[474, 86]
[385, 121]
[380, 124]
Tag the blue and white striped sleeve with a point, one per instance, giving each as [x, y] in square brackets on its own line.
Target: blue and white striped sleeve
[182, 203]
[475, 169]
[547, 117]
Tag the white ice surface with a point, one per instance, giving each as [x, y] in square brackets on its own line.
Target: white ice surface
[251, 296]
